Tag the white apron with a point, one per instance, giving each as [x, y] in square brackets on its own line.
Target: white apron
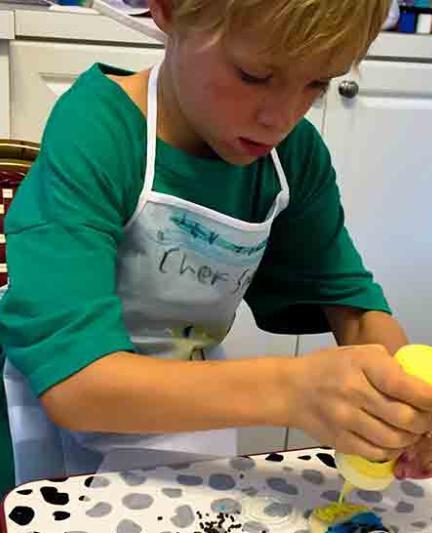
[182, 271]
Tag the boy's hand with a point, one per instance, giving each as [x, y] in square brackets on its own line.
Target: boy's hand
[416, 462]
[358, 400]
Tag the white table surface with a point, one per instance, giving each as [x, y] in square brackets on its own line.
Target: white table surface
[179, 498]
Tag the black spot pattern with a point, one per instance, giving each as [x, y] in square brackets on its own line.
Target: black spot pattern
[327, 459]
[96, 482]
[61, 515]
[22, 515]
[53, 496]
[275, 458]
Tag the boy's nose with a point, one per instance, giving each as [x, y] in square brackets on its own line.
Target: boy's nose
[280, 118]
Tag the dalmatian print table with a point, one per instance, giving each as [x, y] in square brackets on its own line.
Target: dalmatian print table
[260, 494]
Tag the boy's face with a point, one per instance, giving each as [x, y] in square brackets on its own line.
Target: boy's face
[237, 103]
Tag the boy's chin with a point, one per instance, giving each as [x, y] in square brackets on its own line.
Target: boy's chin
[241, 161]
[230, 155]
[237, 158]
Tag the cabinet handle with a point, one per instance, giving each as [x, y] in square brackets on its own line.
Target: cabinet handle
[349, 89]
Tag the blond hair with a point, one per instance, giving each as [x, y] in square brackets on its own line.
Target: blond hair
[292, 27]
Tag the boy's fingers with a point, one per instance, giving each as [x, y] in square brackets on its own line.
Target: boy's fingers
[398, 414]
[380, 433]
[415, 392]
[364, 448]
[395, 383]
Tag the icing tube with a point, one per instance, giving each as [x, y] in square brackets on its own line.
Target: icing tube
[416, 360]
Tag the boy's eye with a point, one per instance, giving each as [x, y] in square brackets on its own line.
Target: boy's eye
[253, 80]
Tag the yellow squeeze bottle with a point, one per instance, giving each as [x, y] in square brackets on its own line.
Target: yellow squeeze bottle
[416, 360]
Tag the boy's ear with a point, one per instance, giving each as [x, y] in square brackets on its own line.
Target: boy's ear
[161, 11]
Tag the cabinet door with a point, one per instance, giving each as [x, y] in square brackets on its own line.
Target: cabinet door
[381, 143]
[317, 112]
[380, 140]
[42, 71]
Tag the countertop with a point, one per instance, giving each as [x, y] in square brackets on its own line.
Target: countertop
[266, 493]
[86, 25]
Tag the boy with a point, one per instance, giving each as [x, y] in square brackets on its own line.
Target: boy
[160, 199]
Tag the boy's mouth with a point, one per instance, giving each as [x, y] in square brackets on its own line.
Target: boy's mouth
[254, 148]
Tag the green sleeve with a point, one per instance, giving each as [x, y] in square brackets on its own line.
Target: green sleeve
[61, 311]
[311, 260]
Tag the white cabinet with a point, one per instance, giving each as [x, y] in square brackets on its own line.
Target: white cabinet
[316, 114]
[381, 144]
[380, 141]
[42, 71]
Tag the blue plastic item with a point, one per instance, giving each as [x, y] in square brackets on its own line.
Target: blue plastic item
[69, 2]
[360, 523]
[407, 22]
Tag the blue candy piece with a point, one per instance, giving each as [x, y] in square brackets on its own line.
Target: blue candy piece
[360, 523]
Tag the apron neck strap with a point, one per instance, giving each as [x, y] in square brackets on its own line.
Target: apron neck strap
[284, 195]
[152, 107]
